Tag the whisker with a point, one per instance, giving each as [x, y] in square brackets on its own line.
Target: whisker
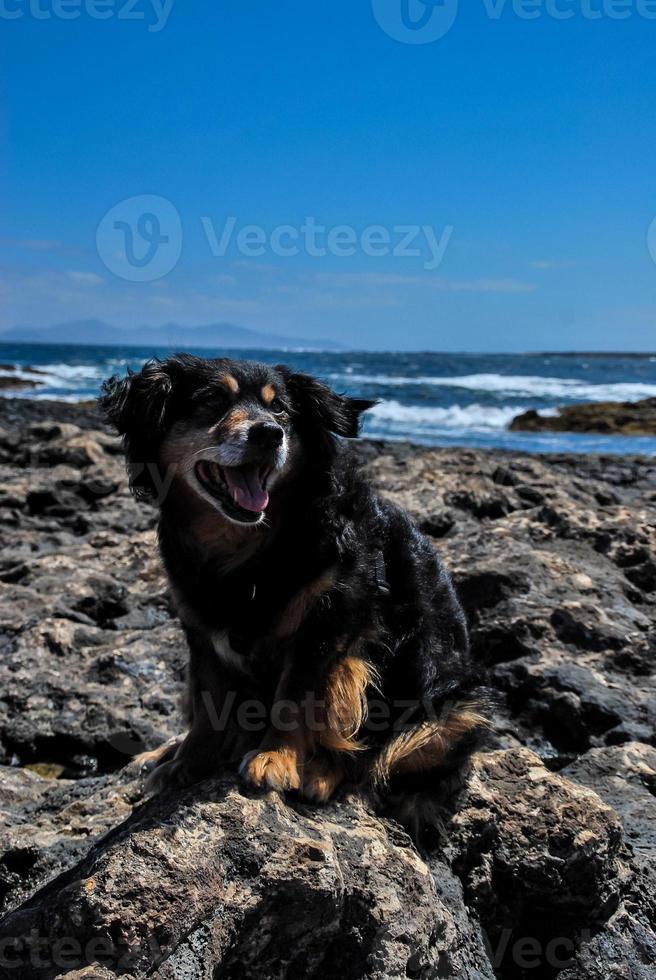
[210, 453]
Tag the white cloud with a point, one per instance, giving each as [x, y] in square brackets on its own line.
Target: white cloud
[33, 244]
[87, 278]
[546, 264]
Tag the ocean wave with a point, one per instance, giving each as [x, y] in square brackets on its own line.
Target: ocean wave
[72, 375]
[522, 385]
[480, 418]
[65, 382]
[83, 379]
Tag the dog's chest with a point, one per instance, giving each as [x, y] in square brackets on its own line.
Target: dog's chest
[238, 629]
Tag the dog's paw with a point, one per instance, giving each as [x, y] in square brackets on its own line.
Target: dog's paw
[145, 762]
[174, 774]
[321, 777]
[275, 769]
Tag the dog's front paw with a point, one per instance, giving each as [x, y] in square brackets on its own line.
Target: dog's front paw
[146, 762]
[275, 769]
[321, 777]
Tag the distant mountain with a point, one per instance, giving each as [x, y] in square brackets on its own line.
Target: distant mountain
[98, 333]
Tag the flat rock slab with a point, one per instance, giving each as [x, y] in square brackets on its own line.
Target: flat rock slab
[216, 882]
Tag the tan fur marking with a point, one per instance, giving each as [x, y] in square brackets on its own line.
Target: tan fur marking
[321, 777]
[428, 745]
[268, 394]
[230, 382]
[153, 755]
[346, 703]
[299, 606]
[236, 418]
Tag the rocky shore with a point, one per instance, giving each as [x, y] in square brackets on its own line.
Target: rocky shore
[609, 418]
[13, 379]
[540, 862]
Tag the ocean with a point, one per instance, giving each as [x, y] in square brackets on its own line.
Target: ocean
[428, 398]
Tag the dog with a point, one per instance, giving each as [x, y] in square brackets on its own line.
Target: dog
[326, 641]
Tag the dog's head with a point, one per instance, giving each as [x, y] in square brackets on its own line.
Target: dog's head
[228, 430]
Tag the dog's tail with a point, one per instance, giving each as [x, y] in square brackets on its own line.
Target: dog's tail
[431, 743]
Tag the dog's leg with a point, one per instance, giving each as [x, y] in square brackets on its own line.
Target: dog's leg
[145, 762]
[278, 762]
[208, 711]
[344, 713]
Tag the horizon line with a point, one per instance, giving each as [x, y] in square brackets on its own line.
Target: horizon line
[345, 350]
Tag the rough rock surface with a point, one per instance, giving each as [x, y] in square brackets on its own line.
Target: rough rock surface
[622, 418]
[536, 860]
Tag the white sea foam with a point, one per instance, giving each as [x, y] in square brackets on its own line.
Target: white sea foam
[73, 370]
[480, 418]
[83, 377]
[72, 374]
[70, 382]
[516, 385]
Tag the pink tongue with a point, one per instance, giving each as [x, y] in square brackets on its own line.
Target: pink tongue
[246, 489]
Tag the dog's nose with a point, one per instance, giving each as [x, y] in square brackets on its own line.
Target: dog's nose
[266, 435]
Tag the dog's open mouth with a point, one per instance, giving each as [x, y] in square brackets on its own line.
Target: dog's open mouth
[242, 490]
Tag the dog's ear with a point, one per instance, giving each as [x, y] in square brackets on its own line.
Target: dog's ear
[137, 401]
[318, 405]
[137, 406]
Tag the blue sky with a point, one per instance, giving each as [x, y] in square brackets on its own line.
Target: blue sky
[526, 147]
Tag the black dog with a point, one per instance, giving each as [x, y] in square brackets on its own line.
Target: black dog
[326, 639]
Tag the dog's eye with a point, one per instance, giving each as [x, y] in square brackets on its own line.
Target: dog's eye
[276, 407]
